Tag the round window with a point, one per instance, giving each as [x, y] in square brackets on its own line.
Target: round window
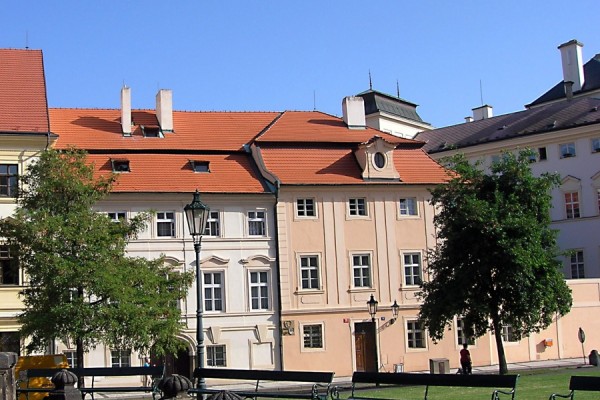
[379, 160]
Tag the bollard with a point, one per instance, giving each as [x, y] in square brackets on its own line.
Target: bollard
[8, 389]
[64, 386]
[594, 358]
[174, 386]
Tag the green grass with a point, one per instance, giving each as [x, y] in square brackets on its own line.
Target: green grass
[532, 385]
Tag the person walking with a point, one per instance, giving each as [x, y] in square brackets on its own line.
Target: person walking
[465, 360]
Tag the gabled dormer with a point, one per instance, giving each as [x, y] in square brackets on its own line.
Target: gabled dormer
[376, 158]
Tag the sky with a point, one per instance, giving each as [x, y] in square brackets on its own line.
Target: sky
[446, 56]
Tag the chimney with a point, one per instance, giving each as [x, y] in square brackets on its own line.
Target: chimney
[468, 119]
[126, 110]
[482, 112]
[570, 54]
[353, 110]
[569, 90]
[164, 109]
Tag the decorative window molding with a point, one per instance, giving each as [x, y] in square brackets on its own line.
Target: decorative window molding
[361, 270]
[376, 159]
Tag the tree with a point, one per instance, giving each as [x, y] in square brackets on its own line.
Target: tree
[81, 284]
[496, 262]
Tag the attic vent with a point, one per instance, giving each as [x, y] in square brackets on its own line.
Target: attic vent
[552, 125]
[443, 145]
[151, 131]
[594, 109]
[120, 165]
[503, 127]
[200, 166]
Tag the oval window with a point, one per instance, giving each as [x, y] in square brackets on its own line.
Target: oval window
[379, 160]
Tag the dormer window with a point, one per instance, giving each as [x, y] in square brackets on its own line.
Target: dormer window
[151, 131]
[200, 166]
[376, 159]
[379, 160]
[120, 165]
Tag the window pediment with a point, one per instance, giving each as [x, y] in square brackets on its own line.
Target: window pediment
[570, 184]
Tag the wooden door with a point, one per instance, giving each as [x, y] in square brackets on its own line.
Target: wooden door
[365, 347]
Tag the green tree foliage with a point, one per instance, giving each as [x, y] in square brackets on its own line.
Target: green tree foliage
[82, 285]
[496, 261]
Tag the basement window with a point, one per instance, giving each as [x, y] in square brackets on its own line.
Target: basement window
[120, 165]
[151, 131]
[200, 166]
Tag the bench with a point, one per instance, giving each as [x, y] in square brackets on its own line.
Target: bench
[316, 379]
[155, 372]
[584, 383]
[427, 380]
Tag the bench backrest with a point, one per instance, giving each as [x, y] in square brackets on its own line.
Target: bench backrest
[407, 378]
[264, 375]
[155, 371]
[585, 383]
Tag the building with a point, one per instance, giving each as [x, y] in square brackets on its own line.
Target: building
[24, 133]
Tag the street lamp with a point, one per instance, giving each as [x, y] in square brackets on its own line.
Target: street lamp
[196, 214]
[372, 303]
[395, 310]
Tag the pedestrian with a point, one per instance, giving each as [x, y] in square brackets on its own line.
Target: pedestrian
[465, 360]
[147, 378]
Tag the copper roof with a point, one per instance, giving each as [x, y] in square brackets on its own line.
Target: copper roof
[23, 103]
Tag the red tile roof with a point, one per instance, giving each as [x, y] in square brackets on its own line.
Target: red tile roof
[101, 129]
[23, 103]
[172, 173]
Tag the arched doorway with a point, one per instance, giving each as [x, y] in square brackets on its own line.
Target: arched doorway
[175, 363]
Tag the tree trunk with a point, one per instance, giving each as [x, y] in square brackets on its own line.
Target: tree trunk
[503, 368]
[79, 350]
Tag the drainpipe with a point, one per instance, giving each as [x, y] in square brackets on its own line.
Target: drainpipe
[278, 275]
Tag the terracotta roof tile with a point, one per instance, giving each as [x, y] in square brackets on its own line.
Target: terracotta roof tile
[23, 103]
[172, 173]
[101, 129]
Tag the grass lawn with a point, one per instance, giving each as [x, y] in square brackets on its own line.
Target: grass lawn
[532, 385]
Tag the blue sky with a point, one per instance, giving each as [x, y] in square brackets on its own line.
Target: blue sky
[283, 55]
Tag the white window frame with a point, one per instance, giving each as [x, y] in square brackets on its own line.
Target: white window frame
[212, 301]
[165, 217]
[11, 263]
[354, 207]
[577, 264]
[366, 279]
[117, 216]
[253, 217]
[213, 224]
[71, 356]
[408, 269]
[460, 333]
[122, 357]
[408, 207]
[211, 355]
[310, 326]
[567, 148]
[596, 145]
[310, 269]
[413, 330]
[572, 207]
[302, 208]
[259, 285]
[507, 334]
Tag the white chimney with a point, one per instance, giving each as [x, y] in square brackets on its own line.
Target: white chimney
[468, 119]
[126, 110]
[572, 64]
[482, 112]
[353, 110]
[164, 109]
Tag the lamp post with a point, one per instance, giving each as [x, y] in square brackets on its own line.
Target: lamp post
[196, 214]
[395, 310]
[372, 304]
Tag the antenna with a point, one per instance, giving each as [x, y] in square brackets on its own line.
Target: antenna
[370, 82]
[26, 40]
[314, 100]
[397, 89]
[481, 91]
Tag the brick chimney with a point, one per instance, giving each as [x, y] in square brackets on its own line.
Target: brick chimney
[570, 54]
[164, 109]
[353, 110]
[126, 110]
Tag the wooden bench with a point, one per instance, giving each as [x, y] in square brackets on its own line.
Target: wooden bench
[584, 383]
[318, 380]
[427, 380]
[155, 374]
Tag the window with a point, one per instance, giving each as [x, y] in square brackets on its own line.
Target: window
[508, 334]
[120, 165]
[120, 358]
[542, 155]
[567, 150]
[9, 267]
[461, 334]
[572, 205]
[379, 160]
[309, 272]
[415, 335]
[213, 224]
[71, 356]
[596, 145]
[151, 131]
[577, 267]
[408, 206]
[412, 269]
[259, 290]
[117, 216]
[10, 342]
[216, 356]
[165, 224]
[213, 291]
[200, 166]
[357, 207]
[8, 180]
[361, 268]
[312, 336]
[305, 208]
[256, 223]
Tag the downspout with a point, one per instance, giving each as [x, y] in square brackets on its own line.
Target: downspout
[278, 275]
